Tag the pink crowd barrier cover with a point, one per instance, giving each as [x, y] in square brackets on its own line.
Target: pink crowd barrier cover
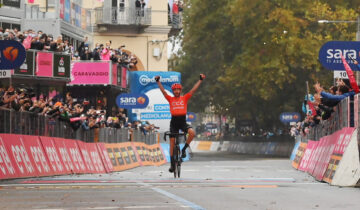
[305, 161]
[34, 147]
[105, 157]
[94, 73]
[70, 155]
[343, 140]
[8, 167]
[91, 157]
[52, 153]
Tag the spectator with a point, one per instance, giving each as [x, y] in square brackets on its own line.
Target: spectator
[142, 5]
[137, 7]
[87, 55]
[342, 92]
[105, 53]
[96, 52]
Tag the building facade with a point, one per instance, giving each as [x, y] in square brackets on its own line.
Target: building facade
[143, 30]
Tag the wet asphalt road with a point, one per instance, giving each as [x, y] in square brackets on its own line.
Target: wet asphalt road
[209, 181]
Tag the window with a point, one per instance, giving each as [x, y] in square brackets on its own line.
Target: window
[12, 3]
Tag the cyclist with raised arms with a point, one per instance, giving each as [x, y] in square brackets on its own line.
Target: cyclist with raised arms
[178, 110]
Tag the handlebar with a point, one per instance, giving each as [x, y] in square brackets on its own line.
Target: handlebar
[168, 133]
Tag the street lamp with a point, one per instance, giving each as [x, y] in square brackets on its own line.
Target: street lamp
[346, 21]
[357, 34]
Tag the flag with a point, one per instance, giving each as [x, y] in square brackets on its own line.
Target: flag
[351, 76]
[31, 1]
[311, 109]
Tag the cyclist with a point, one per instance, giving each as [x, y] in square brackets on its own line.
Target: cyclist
[178, 110]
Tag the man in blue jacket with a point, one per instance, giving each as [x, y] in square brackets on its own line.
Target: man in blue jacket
[341, 93]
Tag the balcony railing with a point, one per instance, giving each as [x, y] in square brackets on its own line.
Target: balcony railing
[123, 16]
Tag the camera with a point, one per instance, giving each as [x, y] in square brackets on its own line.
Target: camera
[122, 46]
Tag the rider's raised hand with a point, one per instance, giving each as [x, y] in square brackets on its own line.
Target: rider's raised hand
[202, 76]
[157, 78]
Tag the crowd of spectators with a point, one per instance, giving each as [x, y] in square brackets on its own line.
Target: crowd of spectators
[321, 105]
[42, 41]
[76, 112]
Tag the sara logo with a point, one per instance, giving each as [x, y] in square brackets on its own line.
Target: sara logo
[190, 117]
[330, 54]
[288, 117]
[12, 54]
[132, 101]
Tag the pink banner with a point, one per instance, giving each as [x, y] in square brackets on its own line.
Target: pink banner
[105, 157]
[44, 64]
[91, 157]
[52, 153]
[305, 161]
[327, 149]
[7, 162]
[114, 74]
[343, 140]
[70, 155]
[84, 73]
[62, 8]
[35, 149]
[123, 77]
[23, 162]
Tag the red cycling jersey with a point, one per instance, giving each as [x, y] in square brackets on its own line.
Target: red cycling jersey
[178, 105]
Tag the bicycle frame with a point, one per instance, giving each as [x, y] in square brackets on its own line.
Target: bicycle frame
[176, 152]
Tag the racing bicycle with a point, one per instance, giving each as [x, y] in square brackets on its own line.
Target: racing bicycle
[176, 153]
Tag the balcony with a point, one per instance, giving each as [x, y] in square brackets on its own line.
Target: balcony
[123, 16]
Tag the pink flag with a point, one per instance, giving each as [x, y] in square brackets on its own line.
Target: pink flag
[351, 76]
[31, 1]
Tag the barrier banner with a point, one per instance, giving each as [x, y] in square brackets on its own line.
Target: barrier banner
[299, 155]
[322, 161]
[141, 151]
[120, 156]
[293, 154]
[305, 161]
[23, 161]
[54, 158]
[107, 162]
[341, 143]
[91, 157]
[7, 162]
[157, 154]
[329, 149]
[331, 169]
[204, 145]
[35, 149]
[70, 155]
[166, 148]
[348, 170]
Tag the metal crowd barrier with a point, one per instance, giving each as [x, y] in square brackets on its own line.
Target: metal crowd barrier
[340, 118]
[28, 123]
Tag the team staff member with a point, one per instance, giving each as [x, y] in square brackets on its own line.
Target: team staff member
[178, 110]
